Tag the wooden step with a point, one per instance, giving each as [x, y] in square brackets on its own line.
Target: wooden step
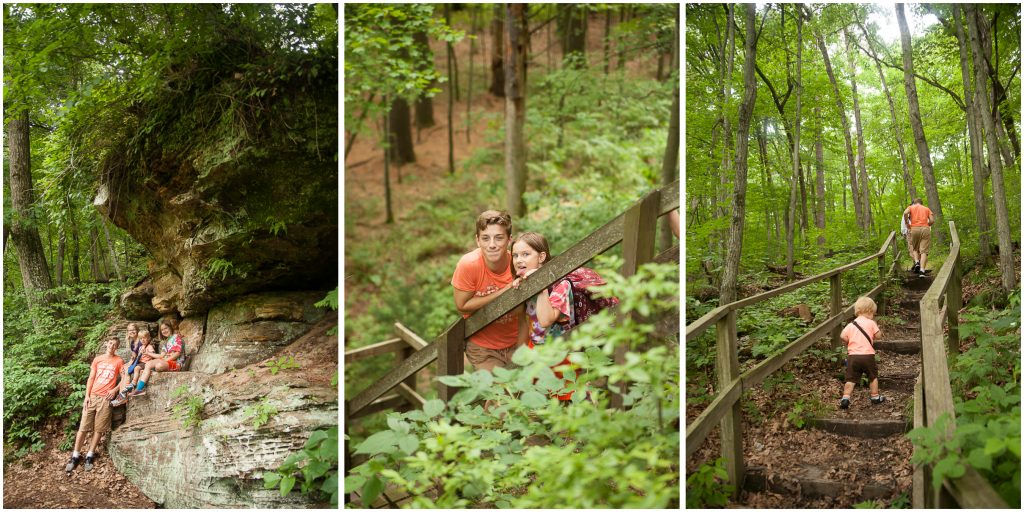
[902, 382]
[861, 428]
[812, 483]
[899, 346]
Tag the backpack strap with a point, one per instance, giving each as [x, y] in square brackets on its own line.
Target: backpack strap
[865, 333]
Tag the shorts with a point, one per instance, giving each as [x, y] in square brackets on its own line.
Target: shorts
[920, 238]
[487, 358]
[861, 363]
[173, 366]
[96, 415]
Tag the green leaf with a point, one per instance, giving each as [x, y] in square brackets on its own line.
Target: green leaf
[371, 490]
[979, 459]
[330, 484]
[286, 485]
[433, 407]
[452, 380]
[524, 356]
[315, 438]
[533, 399]
[408, 443]
[994, 446]
[380, 442]
[316, 469]
[271, 479]
[351, 482]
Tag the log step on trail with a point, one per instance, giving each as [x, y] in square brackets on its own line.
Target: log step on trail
[899, 346]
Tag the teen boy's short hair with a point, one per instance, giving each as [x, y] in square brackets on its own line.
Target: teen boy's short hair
[864, 305]
[490, 217]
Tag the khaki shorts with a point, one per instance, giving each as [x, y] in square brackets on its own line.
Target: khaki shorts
[96, 415]
[487, 358]
[920, 238]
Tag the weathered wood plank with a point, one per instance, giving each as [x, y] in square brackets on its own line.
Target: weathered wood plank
[381, 404]
[410, 395]
[835, 305]
[697, 431]
[727, 365]
[410, 337]
[384, 347]
[450, 360]
[757, 481]
[413, 364]
[861, 428]
[920, 480]
[705, 322]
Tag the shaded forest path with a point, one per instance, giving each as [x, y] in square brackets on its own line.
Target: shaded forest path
[39, 481]
[845, 457]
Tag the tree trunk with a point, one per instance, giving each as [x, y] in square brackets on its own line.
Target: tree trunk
[76, 275]
[424, 104]
[111, 249]
[35, 273]
[803, 197]
[469, 86]
[908, 180]
[791, 221]
[819, 165]
[728, 50]
[572, 31]
[387, 168]
[1006, 265]
[516, 43]
[401, 147]
[977, 160]
[861, 219]
[498, 52]
[452, 81]
[607, 40]
[923, 155]
[671, 160]
[865, 186]
[61, 245]
[735, 245]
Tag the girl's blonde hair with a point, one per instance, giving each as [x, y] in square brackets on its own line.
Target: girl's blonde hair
[864, 305]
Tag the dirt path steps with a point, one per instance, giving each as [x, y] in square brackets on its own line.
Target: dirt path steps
[849, 456]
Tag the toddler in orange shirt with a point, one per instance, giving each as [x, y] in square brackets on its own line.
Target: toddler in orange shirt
[860, 336]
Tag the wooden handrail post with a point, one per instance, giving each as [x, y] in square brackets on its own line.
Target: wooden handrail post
[954, 301]
[727, 364]
[836, 289]
[881, 281]
[450, 355]
[638, 238]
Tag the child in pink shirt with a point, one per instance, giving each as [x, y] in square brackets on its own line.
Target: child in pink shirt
[860, 336]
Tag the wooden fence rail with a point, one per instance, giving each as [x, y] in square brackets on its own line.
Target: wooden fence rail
[933, 396]
[725, 409]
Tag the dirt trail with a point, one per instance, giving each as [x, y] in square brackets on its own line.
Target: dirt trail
[39, 481]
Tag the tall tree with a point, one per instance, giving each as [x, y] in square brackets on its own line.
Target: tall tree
[517, 42]
[35, 273]
[498, 51]
[734, 247]
[452, 87]
[572, 32]
[670, 163]
[727, 51]
[819, 166]
[425, 103]
[865, 186]
[977, 161]
[795, 152]
[923, 155]
[1006, 264]
[854, 187]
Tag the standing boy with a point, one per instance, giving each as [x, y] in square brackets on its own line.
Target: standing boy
[860, 336]
[920, 219]
[100, 389]
[479, 278]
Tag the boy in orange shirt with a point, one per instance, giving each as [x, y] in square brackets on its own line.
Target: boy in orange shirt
[479, 278]
[859, 336]
[920, 219]
[100, 389]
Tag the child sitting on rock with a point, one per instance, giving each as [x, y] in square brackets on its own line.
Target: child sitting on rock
[145, 352]
[860, 336]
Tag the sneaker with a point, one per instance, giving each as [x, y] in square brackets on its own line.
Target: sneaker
[72, 464]
[89, 462]
[137, 392]
[844, 403]
[916, 268]
[875, 400]
[127, 389]
[121, 399]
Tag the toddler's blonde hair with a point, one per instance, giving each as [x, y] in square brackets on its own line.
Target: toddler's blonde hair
[864, 305]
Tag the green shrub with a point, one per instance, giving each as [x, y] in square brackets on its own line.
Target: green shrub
[706, 487]
[315, 467]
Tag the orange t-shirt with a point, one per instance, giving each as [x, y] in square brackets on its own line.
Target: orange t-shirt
[919, 214]
[856, 343]
[103, 376]
[472, 274]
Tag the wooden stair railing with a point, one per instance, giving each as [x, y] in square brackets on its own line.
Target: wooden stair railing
[636, 228]
[725, 409]
[933, 395]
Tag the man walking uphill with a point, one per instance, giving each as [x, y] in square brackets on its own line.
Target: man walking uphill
[920, 220]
